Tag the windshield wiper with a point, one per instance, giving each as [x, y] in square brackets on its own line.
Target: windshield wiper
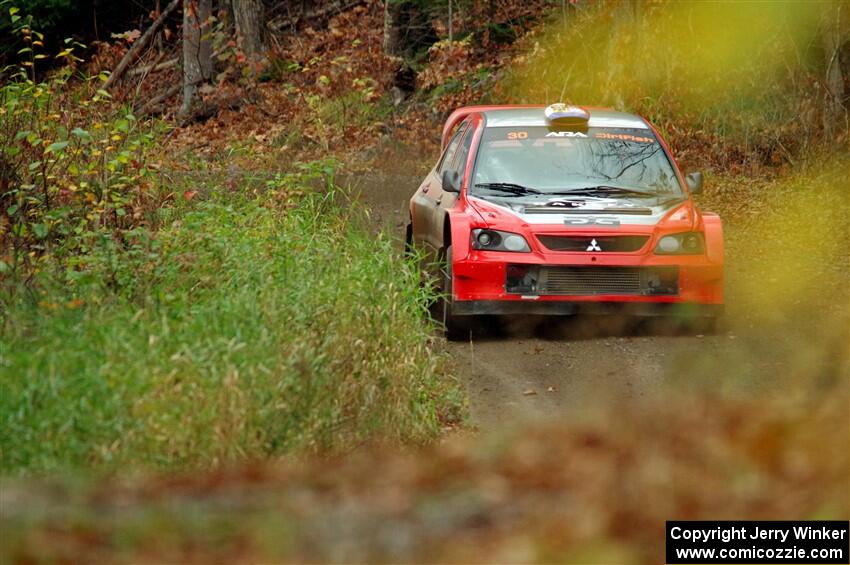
[605, 189]
[508, 187]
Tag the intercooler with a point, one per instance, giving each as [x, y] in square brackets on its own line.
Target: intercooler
[579, 281]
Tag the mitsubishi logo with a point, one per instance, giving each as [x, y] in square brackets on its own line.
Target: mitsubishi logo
[593, 246]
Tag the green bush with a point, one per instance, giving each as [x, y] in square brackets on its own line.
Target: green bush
[72, 164]
[246, 328]
[46, 15]
[356, 108]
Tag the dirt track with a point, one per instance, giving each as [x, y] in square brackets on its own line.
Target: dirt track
[548, 367]
[573, 364]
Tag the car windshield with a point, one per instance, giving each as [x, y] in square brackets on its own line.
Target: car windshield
[600, 161]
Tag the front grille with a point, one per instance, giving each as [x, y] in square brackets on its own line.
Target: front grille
[583, 281]
[594, 244]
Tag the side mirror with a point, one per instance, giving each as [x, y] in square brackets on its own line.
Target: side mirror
[694, 181]
[451, 181]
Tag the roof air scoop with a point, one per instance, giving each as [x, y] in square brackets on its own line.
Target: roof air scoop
[562, 116]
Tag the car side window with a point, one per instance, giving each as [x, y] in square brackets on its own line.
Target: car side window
[461, 158]
[448, 156]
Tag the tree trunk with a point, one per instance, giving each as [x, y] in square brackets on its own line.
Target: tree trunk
[620, 53]
[249, 16]
[393, 12]
[835, 117]
[205, 14]
[451, 17]
[197, 60]
[407, 27]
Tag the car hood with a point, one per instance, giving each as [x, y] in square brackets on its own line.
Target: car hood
[585, 211]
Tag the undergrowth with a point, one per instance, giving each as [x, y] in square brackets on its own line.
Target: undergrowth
[248, 327]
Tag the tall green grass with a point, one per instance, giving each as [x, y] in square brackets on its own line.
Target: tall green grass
[243, 329]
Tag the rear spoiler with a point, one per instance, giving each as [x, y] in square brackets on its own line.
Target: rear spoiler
[461, 114]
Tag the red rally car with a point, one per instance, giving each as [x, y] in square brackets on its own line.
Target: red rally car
[564, 210]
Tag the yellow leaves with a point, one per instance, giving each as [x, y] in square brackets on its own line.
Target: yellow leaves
[53, 306]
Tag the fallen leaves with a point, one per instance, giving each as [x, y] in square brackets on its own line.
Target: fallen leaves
[129, 36]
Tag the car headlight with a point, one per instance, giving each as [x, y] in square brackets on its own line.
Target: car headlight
[689, 243]
[493, 240]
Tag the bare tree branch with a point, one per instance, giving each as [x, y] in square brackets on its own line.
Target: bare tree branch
[140, 44]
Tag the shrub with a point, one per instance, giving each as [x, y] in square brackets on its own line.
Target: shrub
[46, 15]
[72, 164]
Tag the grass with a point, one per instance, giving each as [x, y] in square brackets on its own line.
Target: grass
[245, 328]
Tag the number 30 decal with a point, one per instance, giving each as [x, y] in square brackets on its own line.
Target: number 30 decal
[518, 135]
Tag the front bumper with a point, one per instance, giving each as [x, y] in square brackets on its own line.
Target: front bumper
[574, 308]
[480, 285]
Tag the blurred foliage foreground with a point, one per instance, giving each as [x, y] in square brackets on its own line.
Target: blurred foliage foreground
[596, 491]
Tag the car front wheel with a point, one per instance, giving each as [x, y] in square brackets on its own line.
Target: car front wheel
[456, 327]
